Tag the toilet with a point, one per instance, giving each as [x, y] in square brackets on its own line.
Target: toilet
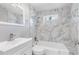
[37, 50]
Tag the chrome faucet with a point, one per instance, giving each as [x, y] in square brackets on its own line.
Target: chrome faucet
[76, 42]
[11, 36]
[36, 40]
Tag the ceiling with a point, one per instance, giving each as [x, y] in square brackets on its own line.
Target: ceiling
[37, 6]
[47, 6]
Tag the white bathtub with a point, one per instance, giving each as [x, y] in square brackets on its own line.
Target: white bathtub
[52, 48]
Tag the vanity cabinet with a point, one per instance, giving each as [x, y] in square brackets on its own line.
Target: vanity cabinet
[27, 50]
[24, 47]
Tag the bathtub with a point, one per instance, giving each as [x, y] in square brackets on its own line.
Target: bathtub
[51, 48]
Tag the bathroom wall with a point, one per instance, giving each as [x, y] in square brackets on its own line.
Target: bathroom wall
[5, 31]
[75, 19]
[3, 14]
[25, 32]
[33, 19]
[75, 25]
[29, 29]
[19, 31]
[59, 28]
[63, 30]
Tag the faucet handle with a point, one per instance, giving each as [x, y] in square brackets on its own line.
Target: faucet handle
[11, 36]
[76, 43]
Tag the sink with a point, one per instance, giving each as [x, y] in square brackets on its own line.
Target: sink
[7, 45]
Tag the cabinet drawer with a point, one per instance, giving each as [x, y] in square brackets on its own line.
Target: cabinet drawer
[24, 51]
[19, 49]
[28, 52]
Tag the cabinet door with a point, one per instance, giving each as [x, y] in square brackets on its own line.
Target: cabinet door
[20, 52]
[24, 51]
[28, 52]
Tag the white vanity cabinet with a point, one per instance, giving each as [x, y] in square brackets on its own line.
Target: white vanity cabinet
[20, 46]
[26, 50]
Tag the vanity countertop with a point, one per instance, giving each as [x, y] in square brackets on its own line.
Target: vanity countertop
[7, 45]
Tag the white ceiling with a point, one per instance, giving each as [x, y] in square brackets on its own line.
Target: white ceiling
[47, 6]
[36, 6]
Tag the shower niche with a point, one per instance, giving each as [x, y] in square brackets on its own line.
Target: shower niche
[11, 13]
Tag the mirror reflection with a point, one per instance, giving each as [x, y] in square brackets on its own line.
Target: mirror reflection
[11, 13]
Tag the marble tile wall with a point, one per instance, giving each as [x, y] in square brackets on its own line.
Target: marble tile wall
[64, 30]
[29, 29]
[56, 28]
[75, 22]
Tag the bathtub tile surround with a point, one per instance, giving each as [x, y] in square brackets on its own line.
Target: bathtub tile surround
[56, 27]
[75, 21]
[58, 31]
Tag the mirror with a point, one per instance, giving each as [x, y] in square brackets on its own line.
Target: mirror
[11, 13]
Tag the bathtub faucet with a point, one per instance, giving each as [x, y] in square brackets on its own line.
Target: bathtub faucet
[36, 40]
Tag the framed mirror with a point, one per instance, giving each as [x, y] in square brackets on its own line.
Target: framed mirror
[11, 13]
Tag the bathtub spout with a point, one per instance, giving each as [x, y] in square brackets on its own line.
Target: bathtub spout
[36, 40]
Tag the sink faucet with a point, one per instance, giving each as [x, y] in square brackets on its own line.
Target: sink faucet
[11, 36]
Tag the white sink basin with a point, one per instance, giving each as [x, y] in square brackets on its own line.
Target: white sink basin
[7, 45]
